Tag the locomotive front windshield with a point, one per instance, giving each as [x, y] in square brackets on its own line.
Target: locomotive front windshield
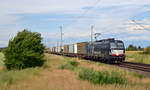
[116, 45]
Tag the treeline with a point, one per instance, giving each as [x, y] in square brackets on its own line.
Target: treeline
[134, 48]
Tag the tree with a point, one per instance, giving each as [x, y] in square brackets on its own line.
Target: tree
[25, 50]
[140, 48]
[131, 48]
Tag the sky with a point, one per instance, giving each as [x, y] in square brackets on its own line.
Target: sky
[111, 18]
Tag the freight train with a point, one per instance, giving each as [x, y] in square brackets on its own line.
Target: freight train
[106, 50]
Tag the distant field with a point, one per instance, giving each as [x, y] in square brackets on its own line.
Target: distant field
[136, 56]
[1, 58]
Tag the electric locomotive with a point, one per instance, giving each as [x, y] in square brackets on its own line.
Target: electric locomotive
[107, 50]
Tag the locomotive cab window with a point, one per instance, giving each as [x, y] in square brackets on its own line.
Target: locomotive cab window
[113, 45]
[116, 45]
[120, 45]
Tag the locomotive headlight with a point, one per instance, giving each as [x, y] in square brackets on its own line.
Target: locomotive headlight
[117, 52]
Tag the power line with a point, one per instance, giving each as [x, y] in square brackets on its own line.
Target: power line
[61, 36]
[92, 28]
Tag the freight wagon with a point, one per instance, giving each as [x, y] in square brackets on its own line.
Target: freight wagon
[82, 49]
[66, 49]
[71, 50]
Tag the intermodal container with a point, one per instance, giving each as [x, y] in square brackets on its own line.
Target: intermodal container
[58, 49]
[75, 49]
[66, 47]
[54, 49]
[50, 49]
[71, 48]
[82, 48]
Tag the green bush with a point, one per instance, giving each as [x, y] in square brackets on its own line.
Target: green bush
[71, 65]
[25, 50]
[139, 75]
[147, 50]
[74, 63]
[103, 77]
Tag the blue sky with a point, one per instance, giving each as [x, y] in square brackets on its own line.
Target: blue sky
[112, 18]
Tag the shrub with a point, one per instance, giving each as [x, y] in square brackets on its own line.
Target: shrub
[147, 50]
[103, 77]
[74, 63]
[71, 65]
[25, 50]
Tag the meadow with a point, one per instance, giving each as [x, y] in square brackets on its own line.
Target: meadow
[137, 56]
[64, 73]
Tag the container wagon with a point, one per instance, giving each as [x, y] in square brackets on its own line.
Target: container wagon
[66, 49]
[82, 49]
[75, 51]
[71, 50]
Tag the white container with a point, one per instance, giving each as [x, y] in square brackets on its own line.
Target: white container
[58, 49]
[50, 49]
[71, 48]
[75, 49]
[54, 49]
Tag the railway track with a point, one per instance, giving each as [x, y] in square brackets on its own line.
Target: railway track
[145, 68]
[135, 66]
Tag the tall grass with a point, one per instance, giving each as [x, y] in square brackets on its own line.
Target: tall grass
[13, 76]
[102, 77]
[1, 58]
[139, 75]
[138, 57]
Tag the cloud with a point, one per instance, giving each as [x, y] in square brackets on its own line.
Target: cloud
[137, 27]
[136, 38]
[108, 17]
[3, 42]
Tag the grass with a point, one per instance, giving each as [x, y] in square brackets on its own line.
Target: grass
[139, 75]
[137, 56]
[102, 77]
[1, 58]
[85, 73]
[7, 78]
[10, 77]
